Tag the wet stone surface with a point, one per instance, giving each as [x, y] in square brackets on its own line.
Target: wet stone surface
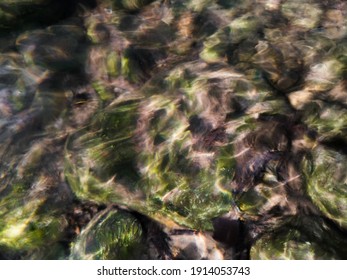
[171, 129]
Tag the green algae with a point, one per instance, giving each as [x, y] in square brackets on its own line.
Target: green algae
[112, 234]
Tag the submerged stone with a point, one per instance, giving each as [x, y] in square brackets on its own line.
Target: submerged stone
[288, 245]
[326, 183]
[199, 129]
[301, 238]
[162, 146]
[302, 15]
[328, 120]
[32, 223]
[57, 48]
[112, 234]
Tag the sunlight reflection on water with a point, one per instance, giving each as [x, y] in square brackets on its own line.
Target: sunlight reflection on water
[204, 129]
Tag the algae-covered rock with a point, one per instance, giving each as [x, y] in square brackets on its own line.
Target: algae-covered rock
[302, 15]
[288, 245]
[219, 46]
[108, 148]
[165, 142]
[323, 76]
[112, 234]
[32, 223]
[179, 163]
[56, 48]
[326, 183]
[136, 128]
[327, 120]
[335, 23]
[281, 63]
[14, 89]
[304, 237]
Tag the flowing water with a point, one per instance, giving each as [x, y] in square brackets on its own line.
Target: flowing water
[172, 129]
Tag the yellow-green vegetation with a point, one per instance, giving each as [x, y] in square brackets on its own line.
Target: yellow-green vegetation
[302, 238]
[326, 182]
[173, 129]
[112, 234]
[26, 228]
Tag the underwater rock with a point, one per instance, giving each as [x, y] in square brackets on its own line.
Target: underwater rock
[112, 234]
[323, 76]
[219, 46]
[335, 23]
[268, 185]
[199, 129]
[326, 119]
[56, 48]
[305, 237]
[162, 147]
[302, 15]
[32, 221]
[281, 64]
[326, 183]
[188, 245]
[14, 85]
[289, 245]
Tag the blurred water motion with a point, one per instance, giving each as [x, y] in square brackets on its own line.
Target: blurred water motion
[171, 129]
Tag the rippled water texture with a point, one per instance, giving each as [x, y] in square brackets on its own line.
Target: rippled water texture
[173, 129]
